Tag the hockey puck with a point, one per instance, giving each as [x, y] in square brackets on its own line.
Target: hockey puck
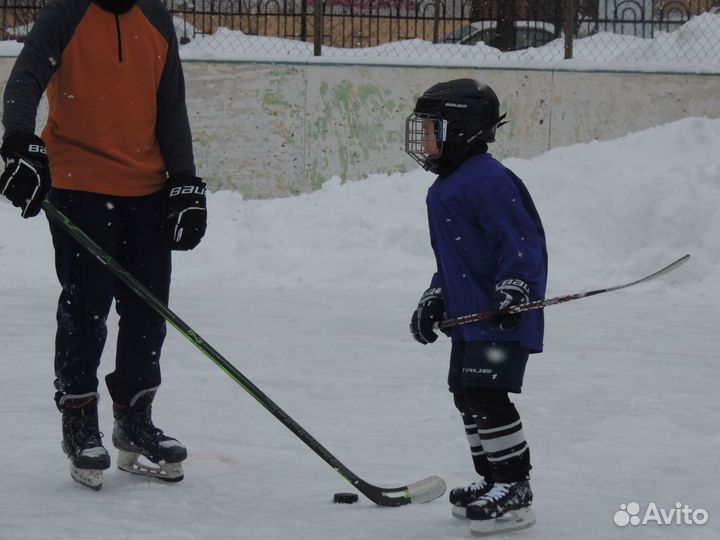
[345, 498]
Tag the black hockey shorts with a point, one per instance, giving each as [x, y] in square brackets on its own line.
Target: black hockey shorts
[487, 364]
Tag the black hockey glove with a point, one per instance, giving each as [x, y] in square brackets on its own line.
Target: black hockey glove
[186, 219]
[26, 178]
[430, 310]
[508, 293]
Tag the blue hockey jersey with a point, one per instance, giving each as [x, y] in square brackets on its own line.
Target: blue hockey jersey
[484, 228]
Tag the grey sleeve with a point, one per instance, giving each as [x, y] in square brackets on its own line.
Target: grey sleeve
[36, 63]
[173, 126]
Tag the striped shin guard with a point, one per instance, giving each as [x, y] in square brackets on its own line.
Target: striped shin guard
[482, 466]
[503, 442]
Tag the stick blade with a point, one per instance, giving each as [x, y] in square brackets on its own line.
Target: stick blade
[426, 490]
[423, 491]
[672, 266]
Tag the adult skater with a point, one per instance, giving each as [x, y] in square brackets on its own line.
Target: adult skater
[118, 152]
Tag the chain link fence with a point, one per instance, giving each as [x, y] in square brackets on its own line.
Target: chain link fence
[664, 31]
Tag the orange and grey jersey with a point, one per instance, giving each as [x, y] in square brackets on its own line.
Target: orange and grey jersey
[117, 121]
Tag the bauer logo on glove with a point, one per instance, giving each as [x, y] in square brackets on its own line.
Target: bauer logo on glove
[26, 179]
[508, 294]
[188, 190]
[186, 219]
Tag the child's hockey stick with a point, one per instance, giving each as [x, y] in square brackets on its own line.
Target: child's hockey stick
[539, 304]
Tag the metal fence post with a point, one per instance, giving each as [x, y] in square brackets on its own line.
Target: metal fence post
[569, 27]
[318, 30]
[303, 20]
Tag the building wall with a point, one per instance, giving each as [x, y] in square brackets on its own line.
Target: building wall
[278, 129]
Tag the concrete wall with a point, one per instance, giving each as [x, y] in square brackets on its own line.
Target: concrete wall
[277, 129]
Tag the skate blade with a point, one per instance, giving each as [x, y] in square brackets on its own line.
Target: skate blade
[511, 521]
[169, 472]
[459, 512]
[92, 478]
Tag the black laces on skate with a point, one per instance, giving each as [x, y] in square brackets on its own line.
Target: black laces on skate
[142, 429]
[83, 432]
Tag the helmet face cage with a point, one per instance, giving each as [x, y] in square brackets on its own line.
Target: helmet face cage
[425, 135]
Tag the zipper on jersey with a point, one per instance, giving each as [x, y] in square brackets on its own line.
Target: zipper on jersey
[119, 37]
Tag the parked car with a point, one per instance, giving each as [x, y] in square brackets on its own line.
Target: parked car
[527, 34]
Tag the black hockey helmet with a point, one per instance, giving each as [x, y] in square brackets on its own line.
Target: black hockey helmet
[451, 120]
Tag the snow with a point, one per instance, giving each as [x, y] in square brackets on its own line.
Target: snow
[310, 298]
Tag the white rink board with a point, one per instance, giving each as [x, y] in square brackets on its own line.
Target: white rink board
[273, 129]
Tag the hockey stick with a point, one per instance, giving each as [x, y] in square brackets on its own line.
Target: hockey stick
[539, 304]
[422, 491]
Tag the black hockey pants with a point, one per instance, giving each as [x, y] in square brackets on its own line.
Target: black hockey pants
[129, 229]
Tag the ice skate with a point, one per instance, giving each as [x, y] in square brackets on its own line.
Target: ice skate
[460, 497]
[505, 507]
[82, 440]
[143, 448]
